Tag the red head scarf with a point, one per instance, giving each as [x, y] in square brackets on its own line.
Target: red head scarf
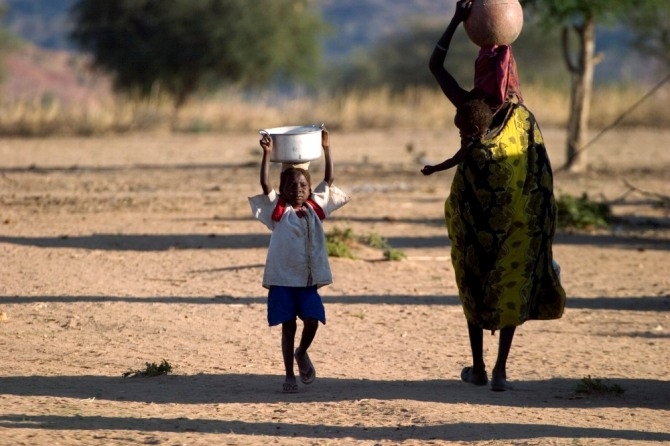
[496, 77]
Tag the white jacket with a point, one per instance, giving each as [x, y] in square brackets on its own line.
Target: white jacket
[297, 255]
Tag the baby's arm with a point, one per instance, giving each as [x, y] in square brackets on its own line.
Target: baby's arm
[266, 145]
[447, 164]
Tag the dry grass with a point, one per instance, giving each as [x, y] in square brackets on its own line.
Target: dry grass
[417, 108]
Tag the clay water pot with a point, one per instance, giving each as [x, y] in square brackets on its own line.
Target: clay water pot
[494, 22]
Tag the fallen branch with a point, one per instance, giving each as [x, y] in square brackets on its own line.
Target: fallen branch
[664, 200]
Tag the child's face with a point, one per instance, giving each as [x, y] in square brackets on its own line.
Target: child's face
[296, 189]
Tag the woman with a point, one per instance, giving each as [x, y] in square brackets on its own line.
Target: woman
[501, 212]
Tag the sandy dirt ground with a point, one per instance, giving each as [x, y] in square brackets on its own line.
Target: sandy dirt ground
[121, 251]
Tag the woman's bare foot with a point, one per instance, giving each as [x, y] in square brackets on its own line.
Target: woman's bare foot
[499, 381]
[479, 378]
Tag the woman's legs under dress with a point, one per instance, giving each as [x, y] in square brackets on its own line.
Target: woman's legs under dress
[477, 373]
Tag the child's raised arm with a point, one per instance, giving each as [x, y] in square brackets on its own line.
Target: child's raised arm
[325, 143]
[266, 145]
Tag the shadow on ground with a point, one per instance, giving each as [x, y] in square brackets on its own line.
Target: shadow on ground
[628, 303]
[253, 388]
[164, 242]
[445, 432]
[263, 389]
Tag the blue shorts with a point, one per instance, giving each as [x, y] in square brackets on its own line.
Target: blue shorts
[287, 303]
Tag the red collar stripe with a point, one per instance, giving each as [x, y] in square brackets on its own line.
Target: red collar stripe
[281, 207]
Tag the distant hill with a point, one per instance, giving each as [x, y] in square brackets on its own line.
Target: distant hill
[361, 23]
[48, 67]
[354, 25]
[36, 73]
[42, 22]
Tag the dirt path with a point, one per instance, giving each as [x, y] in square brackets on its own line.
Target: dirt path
[124, 251]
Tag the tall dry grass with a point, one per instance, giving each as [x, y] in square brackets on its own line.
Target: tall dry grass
[415, 108]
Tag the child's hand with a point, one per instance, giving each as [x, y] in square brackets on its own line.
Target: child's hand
[266, 143]
[428, 170]
[325, 140]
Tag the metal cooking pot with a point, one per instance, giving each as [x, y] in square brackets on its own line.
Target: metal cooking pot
[295, 144]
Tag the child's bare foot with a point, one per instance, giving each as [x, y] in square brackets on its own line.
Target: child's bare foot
[290, 385]
[479, 378]
[305, 367]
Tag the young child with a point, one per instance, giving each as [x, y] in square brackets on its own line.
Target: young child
[472, 119]
[297, 260]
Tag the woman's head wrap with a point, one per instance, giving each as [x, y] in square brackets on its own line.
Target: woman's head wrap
[496, 77]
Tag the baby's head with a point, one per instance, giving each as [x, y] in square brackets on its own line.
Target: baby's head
[295, 185]
[473, 118]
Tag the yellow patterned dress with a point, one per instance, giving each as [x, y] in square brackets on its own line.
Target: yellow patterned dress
[501, 218]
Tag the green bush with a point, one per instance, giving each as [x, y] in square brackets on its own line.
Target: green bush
[591, 386]
[582, 212]
[152, 369]
[375, 240]
[394, 254]
[338, 242]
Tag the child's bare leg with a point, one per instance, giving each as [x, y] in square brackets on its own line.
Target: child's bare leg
[307, 372]
[288, 330]
[308, 334]
[477, 373]
[499, 378]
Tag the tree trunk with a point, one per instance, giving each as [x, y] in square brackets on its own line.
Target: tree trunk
[580, 95]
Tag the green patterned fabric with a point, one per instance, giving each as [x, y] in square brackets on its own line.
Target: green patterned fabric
[501, 218]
